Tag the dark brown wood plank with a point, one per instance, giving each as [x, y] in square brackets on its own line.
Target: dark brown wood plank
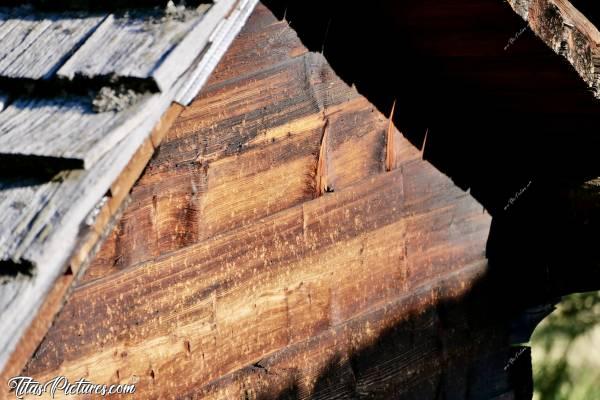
[382, 355]
[300, 272]
[47, 218]
[248, 139]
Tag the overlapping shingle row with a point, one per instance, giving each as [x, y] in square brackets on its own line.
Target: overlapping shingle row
[80, 92]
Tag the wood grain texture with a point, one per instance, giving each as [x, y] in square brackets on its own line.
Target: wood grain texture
[148, 46]
[34, 46]
[218, 43]
[567, 32]
[385, 355]
[127, 46]
[279, 44]
[52, 237]
[37, 329]
[65, 129]
[66, 132]
[28, 224]
[87, 247]
[261, 288]
[37, 196]
[234, 168]
[225, 265]
[45, 219]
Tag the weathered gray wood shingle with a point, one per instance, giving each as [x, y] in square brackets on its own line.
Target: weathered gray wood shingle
[35, 46]
[149, 46]
[41, 219]
[65, 128]
[134, 47]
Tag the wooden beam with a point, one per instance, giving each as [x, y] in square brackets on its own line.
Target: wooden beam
[566, 31]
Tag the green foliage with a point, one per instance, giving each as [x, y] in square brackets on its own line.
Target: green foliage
[561, 370]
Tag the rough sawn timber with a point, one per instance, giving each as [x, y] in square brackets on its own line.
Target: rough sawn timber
[231, 275]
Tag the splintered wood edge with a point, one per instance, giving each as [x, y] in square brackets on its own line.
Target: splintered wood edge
[89, 242]
[322, 186]
[390, 153]
[567, 32]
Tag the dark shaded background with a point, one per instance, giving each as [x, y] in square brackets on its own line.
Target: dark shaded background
[506, 118]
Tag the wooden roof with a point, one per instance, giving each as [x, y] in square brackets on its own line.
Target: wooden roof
[142, 51]
[566, 31]
[66, 164]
